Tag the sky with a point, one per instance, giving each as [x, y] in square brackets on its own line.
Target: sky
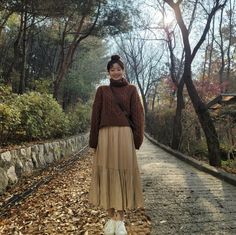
[156, 36]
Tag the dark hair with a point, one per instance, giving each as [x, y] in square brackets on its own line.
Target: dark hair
[115, 59]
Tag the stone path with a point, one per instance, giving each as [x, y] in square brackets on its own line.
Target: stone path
[183, 200]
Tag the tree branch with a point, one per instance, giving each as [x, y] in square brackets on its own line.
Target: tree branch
[170, 3]
[179, 2]
[207, 27]
[94, 24]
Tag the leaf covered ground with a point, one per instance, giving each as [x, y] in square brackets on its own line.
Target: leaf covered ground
[61, 206]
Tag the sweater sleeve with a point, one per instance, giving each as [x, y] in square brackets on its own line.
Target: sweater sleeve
[95, 119]
[137, 115]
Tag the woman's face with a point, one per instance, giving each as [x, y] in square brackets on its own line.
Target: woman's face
[116, 72]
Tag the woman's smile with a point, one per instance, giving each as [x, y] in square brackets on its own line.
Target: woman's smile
[116, 72]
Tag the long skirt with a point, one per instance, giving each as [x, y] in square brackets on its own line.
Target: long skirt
[116, 181]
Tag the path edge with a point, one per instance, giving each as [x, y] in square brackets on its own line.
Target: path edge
[219, 173]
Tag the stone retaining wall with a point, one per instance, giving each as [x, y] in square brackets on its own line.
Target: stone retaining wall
[22, 161]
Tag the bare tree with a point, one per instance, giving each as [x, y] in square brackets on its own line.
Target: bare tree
[199, 106]
[142, 66]
[176, 72]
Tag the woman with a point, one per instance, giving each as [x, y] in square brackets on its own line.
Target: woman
[116, 184]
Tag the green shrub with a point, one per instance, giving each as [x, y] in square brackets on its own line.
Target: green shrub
[9, 121]
[6, 95]
[42, 85]
[79, 118]
[37, 116]
[198, 149]
[229, 163]
[41, 116]
[227, 152]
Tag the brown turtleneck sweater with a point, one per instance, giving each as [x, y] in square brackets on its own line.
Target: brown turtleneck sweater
[106, 112]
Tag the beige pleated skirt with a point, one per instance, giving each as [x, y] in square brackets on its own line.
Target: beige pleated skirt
[116, 181]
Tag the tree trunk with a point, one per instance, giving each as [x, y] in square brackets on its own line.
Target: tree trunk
[205, 60]
[154, 98]
[197, 132]
[7, 73]
[211, 47]
[177, 127]
[66, 99]
[23, 65]
[57, 83]
[205, 120]
[144, 103]
[222, 52]
[230, 41]
[67, 61]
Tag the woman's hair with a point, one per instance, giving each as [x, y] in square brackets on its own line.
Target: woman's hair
[115, 59]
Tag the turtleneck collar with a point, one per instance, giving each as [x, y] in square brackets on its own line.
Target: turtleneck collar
[120, 82]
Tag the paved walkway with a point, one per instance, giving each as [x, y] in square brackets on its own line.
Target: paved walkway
[183, 200]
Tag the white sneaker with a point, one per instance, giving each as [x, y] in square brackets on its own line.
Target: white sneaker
[120, 228]
[109, 227]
